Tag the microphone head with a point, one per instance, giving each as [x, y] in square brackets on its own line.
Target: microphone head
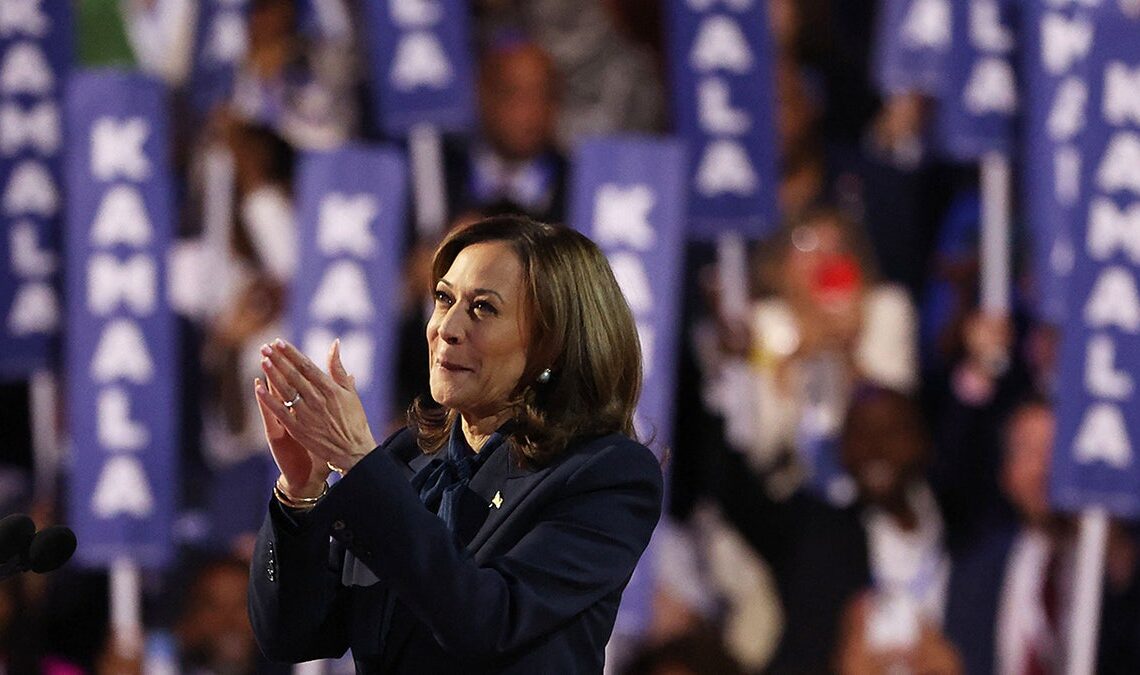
[51, 547]
[16, 532]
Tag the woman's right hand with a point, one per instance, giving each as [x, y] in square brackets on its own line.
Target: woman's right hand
[302, 475]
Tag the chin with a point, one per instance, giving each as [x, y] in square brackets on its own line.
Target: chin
[445, 395]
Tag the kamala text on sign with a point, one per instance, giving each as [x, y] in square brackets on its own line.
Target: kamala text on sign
[912, 42]
[1096, 462]
[722, 76]
[34, 56]
[120, 330]
[420, 61]
[220, 43]
[976, 112]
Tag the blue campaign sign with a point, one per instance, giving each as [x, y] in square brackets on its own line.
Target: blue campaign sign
[913, 40]
[628, 195]
[1056, 41]
[419, 60]
[220, 44]
[35, 57]
[723, 103]
[121, 331]
[978, 107]
[1094, 461]
[351, 214]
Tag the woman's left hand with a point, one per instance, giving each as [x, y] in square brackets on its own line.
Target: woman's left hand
[328, 417]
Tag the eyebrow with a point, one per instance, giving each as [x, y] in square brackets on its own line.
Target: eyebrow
[478, 291]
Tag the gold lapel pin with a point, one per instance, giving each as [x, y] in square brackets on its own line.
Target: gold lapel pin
[497, 500]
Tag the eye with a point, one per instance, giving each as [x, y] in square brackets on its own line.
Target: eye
[483, 307]
[442, 298]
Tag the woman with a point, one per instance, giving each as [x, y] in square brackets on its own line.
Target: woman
[538, 503]
[827, 326]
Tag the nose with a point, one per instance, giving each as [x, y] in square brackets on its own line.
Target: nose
[451, 325]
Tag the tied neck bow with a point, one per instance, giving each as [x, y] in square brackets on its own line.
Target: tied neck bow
[442, 484]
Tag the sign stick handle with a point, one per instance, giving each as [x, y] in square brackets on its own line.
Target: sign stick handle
[43, 391]
[732, 280]
[995, 231]
[425, 149]
[1084, 623]
[126, 612]
[732, 275]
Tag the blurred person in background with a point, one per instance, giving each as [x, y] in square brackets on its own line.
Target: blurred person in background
[303, 86]
[978, 366]
[213, 633]
[1010, 601]
[604, 51]
[861, 583]
[899, 621]
[822, 326]
[825, 325]
[512, 159]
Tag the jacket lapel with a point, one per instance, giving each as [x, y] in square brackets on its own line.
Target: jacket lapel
[513, 484]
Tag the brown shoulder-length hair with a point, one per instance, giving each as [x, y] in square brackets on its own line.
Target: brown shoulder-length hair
[581, 329]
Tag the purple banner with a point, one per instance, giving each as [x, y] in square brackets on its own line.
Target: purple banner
[420, 64]
[35, 57]
[121, 333]
[628, 195]
[220, 44]
[351, 206]
[913, 41]
[723, 107]
[1097, 429]
[977, 109]
[1056, 42]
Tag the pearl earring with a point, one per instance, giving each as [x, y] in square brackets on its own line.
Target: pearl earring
[544, 376]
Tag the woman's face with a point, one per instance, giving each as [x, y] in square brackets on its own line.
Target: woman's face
[820, 267]
[479, 331]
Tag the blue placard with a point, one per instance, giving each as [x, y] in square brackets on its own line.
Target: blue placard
[723, 106]
[419, 62]
[1097, 424]
[220, 44]
[351, 207]
[978, 107]
[628, 195]
[35, 57]
[1056, 42]
[913, 41]
[121, 331]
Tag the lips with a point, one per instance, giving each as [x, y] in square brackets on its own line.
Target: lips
[452, 367]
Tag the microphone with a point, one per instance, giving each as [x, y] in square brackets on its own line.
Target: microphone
[23, 549]
[51, 548]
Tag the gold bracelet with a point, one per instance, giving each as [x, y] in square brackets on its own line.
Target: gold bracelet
[297, 502]
[334, 467]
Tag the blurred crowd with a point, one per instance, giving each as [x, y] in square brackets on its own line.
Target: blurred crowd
[859, 467]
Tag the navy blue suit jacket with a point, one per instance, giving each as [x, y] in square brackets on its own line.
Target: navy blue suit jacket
[531, 585]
